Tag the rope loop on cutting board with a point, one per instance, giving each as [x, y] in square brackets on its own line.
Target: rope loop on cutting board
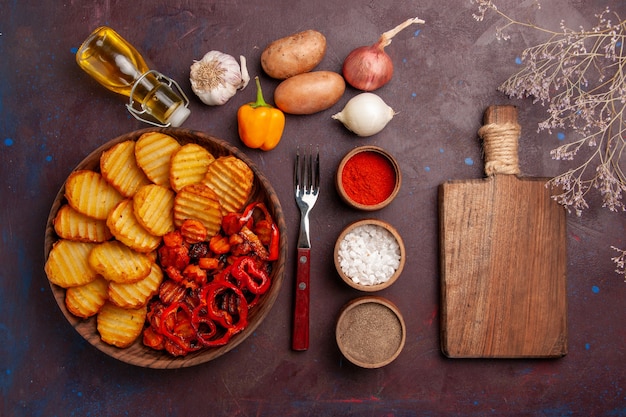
[500, 145]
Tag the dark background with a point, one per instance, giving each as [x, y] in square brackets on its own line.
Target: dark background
[446, 73]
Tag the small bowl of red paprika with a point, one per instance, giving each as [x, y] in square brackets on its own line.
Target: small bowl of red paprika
[368, 178]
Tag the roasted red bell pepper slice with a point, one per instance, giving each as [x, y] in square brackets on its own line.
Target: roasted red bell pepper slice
[233, 223]
[222, 339]
[177, 327]
[274, 244]
[215, 294]
[223, 276]
[204, 326]
[223, 311]
[246, 271]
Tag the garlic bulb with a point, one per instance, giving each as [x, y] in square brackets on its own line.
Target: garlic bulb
[217, 77]
[365, 114]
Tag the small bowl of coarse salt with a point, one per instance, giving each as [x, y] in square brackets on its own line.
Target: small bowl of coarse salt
[369, 255]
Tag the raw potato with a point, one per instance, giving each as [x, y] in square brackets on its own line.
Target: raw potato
[294, 54]
[310, 92]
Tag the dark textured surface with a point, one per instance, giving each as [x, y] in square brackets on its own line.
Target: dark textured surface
[52, 115]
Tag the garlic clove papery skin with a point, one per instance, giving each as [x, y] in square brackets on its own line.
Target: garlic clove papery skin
[365, 114]
[217, 77]
[245, 77]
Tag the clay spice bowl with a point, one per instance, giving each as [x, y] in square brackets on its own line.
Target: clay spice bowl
[370, 332]
[368, 178]
[369, 255]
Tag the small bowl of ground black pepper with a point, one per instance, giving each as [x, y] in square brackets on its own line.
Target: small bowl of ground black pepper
[368, 178]
[370, 332]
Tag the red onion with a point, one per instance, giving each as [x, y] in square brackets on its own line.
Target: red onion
[369, 67]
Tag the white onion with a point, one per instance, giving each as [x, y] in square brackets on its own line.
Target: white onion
[365, 114]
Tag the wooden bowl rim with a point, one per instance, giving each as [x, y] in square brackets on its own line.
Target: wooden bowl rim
[377, 287]
[355, 303]
[339, 178]
[138, 354]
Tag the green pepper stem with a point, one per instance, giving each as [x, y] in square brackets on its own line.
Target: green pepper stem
[260, 101]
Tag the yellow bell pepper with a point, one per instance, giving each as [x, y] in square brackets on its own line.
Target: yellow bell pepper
[260, 125]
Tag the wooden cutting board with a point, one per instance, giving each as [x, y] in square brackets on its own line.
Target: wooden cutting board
[503, 256]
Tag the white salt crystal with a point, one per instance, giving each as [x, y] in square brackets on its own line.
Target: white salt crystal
[369, 255]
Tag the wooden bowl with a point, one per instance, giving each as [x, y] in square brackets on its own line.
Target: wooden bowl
[374, 287]
[359, 196]
[138, 354]
[370, 332]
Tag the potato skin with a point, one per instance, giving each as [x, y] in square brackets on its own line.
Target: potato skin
[310, 92]
[294, 54]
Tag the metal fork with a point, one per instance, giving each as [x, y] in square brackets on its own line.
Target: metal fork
[306, 178]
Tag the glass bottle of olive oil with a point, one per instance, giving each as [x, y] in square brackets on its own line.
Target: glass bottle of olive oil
[116, 64]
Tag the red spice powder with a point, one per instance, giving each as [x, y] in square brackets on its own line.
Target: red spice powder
[368, 178]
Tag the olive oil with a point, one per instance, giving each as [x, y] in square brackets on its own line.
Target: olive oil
[117, 65]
